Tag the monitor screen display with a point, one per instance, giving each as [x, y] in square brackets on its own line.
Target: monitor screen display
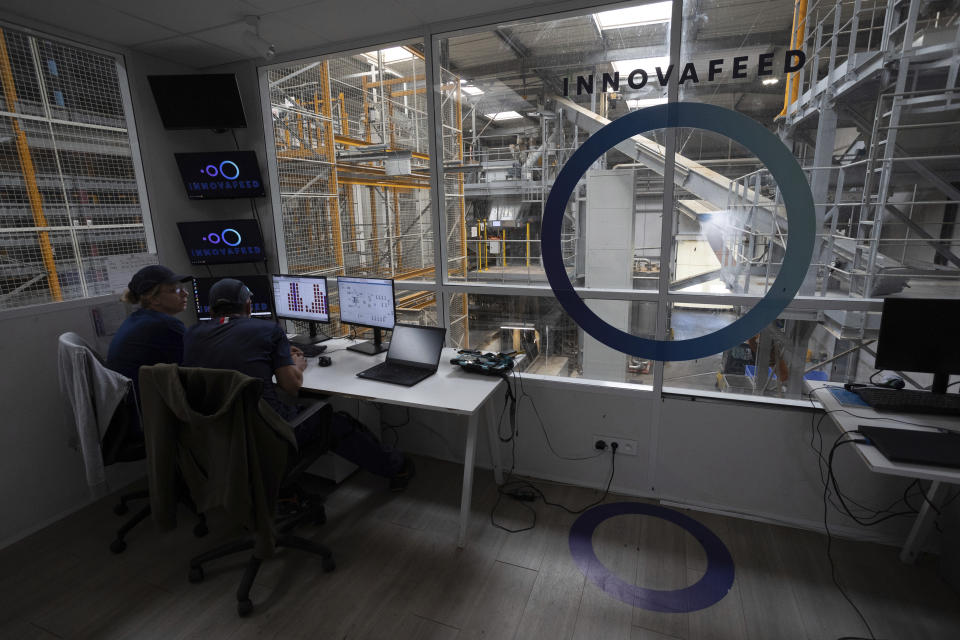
[301, 298]
[259, 303]
[198, 101]
[919, 335]
[226, 241]
[367, 302]
[223, 174]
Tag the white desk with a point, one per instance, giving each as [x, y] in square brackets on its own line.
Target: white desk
[850, 418]
[451, 390]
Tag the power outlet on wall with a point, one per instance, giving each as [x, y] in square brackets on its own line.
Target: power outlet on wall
[624, 446]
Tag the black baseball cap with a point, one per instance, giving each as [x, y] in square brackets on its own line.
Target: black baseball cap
[229, 291]
[152, 275]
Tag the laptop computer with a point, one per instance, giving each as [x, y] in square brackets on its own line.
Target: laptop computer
[414, 354]
[915, 447]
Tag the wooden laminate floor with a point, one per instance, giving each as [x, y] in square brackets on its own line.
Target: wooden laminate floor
[400, 576]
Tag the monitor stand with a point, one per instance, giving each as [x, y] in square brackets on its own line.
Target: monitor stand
[311, 338]
[370, 348]
[940, 382]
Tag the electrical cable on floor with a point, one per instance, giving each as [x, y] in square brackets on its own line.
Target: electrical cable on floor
[833, 569]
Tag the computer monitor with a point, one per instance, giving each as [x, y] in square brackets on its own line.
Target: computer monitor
[259, 286]
[223, 242]
[198, 101]
[302, 297]
[920, 335]
[367, 302]
[221, 174]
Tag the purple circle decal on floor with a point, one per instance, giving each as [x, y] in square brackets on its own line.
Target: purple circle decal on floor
[710, 589]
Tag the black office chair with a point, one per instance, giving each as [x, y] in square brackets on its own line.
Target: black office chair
[95, 393]
[210, 421]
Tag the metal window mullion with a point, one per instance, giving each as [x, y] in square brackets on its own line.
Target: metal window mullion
[273, 172]
[131, 131]
[435, 151]
[74, 240]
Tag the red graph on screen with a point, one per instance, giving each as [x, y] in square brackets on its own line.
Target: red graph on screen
[296, 303]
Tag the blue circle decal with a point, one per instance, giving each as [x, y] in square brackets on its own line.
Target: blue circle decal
[770, 151]
[236, 170]
[224, 233]
[710, 589]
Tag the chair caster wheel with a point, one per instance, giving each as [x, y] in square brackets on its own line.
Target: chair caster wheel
[244, 607]
[120, 509]
[196, 574]
[200, 529]
[328, 564]
[118, 546]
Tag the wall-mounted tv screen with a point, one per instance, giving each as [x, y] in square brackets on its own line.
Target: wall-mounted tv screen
[260, 301]
[198, 101]
[222, 174]
[221, 242]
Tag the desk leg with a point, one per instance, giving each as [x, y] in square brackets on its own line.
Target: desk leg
[921, 526]
[494, 444]
[468, 460]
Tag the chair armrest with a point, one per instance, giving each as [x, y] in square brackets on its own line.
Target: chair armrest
[312, 407]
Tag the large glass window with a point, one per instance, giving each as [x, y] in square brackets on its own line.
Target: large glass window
[679, 258]
[69, 192]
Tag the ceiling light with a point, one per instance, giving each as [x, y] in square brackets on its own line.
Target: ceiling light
[252, 39]
[503, 115]
[471, 90]
[770, 81]
[655, 13]
[624, 67]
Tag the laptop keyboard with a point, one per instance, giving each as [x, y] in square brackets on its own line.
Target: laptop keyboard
[910, 401]
[388, 372]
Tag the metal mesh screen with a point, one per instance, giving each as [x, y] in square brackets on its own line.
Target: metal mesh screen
[68, 189]
[351, 140]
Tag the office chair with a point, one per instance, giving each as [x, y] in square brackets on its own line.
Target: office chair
[106, 423]
[234, 451]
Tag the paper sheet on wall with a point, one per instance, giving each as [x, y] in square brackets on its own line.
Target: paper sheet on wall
[120, 268]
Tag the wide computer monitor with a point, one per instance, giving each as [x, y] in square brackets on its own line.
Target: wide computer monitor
[367, 302]
[920, 335]
[223, 242]
[259, 302]
[302, 297]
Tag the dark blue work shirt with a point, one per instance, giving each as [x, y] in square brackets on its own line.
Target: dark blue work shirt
[146, 337]
[252, 346]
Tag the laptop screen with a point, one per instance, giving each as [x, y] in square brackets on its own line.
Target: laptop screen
[416, 346]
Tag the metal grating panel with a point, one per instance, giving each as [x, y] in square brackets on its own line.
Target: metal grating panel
[68, 189]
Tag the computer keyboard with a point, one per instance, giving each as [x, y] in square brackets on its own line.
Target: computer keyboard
[387, 372]
[910, 401]
[311, 350]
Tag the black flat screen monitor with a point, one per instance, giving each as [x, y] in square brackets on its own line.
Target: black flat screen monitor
[222, 242]
[920, 335]
[222, 174]
[259, 286]
[198, 101]
[367, 302]
[302, 297]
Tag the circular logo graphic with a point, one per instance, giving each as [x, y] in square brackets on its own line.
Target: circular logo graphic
[216, 238]
[213, 170]
[768, 149]
[708, 590]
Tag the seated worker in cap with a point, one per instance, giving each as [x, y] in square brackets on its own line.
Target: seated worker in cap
[260, 349]
[151, 334]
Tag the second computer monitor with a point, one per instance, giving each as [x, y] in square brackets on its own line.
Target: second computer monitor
[367, 302]
[302, 297]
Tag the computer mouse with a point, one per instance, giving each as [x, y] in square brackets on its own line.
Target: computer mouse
[324, 361]
[893, 382]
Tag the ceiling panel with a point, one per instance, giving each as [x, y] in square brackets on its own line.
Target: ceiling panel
[89, 19]
[343, 21]
[184, 16]
[189, 51]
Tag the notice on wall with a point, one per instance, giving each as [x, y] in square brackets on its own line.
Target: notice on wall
[120, 268]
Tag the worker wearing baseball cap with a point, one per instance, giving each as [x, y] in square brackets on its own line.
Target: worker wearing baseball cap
[151, 334]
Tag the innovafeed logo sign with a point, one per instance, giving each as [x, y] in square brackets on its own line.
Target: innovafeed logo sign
[740, 67]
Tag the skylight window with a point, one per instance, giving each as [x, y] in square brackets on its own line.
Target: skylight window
[634, 16]
[645, 102]
[470, 89]
[624, 67]
[503, 115]
[391, 55]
